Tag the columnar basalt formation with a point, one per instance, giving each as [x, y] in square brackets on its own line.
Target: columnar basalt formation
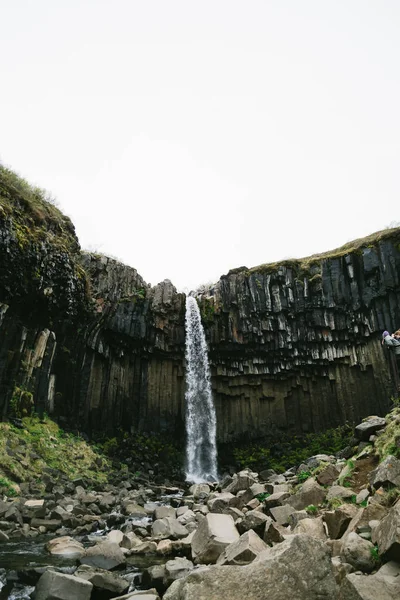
[297, 345]
[293, 346]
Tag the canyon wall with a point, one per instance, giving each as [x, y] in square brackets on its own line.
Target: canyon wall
[293, 346]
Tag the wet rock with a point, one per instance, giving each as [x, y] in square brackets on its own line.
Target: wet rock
[65, 546]
[102, 580]
[104, 555]
[53, 585]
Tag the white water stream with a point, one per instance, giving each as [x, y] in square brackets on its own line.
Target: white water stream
[201, 422]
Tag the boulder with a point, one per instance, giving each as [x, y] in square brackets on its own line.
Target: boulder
[298, 568]
[276, 499]
[387, 534]
[34, 509]
[368, 427]
[243, 551]
[328, 475]
[254, 519]
[162, 512]
[358, 552]
[105, 555]
[65, 546]
[382, 585]
[57, 586]
[103, 580]
[218, 502]
[311, 493]
[281, 514]
[199, 491]
[168, 528]
[241, 481]
[273, 533]
[49, 524]
[388, 472]
[115, 536]
[154, 577]
[340, 492]
[312, 527]
[131, 509]
[176, 568]
[338, 520]
[214, 533]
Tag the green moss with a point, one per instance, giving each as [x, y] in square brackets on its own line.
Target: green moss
[207, 309]
[388, 442]
[21, 403]
[26, 452]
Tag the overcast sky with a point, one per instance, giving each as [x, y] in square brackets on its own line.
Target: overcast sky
[190, 137]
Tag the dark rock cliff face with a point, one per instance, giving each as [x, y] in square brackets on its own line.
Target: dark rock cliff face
[298, 345]
[293, 346]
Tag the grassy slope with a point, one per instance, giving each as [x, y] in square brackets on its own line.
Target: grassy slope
[25, 453]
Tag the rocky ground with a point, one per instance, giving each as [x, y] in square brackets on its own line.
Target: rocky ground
[326, 529]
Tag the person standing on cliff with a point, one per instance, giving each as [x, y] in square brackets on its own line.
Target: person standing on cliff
[394, 345]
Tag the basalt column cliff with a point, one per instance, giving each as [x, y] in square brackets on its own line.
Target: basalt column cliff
[295, 345]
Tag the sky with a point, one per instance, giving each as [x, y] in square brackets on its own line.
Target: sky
[186, 138]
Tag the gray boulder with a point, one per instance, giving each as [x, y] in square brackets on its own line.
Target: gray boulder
[388, 472]
[213, 534]
[298, 568]
[312, 527]
[311, 493]
[218, 502]
[105, 555]
[254, 519]
[57, 586]
[176, 568]
[168, 528]
[281, 514]
[243, 551]
[383, 585]
[368, 427]
[65, 546]
[339, 519]
[358, 552]
[387, 534]
[103, 580]
[241, 481]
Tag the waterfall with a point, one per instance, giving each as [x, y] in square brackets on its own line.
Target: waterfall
[201, 422]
